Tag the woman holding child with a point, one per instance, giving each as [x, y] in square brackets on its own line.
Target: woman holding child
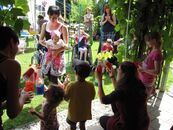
[47, 28]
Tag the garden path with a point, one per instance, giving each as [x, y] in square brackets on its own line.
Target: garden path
[159, 108]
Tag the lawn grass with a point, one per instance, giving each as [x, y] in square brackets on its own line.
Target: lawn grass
[25, 59]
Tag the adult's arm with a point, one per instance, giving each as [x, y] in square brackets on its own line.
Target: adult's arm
[67, 89]
[106, 99]
[65, 34]
[155, 71]
[100, 85]
[42, 33]
[103, 21]
[15, 99]
[112, 21]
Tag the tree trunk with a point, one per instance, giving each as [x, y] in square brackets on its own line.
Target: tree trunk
[165, 72]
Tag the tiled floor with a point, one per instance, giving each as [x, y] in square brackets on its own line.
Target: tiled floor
[160, 109]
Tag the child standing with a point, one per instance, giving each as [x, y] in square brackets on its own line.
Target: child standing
[48, 116]
[80, 94]
[151, 66]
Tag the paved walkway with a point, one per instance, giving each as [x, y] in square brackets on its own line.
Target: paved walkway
[160, 109]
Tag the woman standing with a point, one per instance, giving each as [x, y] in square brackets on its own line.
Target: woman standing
[108, 23]
[11, 98]
[88, 20]
[47, 28]
[128, 100]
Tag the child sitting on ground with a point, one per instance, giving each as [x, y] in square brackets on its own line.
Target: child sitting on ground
[81, 40]
[80, 94]
[48, 116]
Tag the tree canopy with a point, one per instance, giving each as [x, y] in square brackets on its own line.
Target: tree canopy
[13, 12]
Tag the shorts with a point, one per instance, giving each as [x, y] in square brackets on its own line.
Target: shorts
[82, 49]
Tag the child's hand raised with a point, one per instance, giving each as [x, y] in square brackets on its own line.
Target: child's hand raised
[67, 79]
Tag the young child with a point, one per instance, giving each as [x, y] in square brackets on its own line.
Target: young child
[151, 66]
[80, 94]
[48, 116]
[54, 45]
[107, 46]
[81, 40]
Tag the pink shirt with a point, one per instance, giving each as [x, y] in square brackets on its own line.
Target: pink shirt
[148, 63]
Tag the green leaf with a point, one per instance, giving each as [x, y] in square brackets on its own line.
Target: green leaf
[117, 28]
[26, 24]
[7, 2]
[22, 4]
[18, 25]
[17, 12]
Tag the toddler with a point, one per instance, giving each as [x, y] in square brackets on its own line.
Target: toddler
[55, 45]
[48, 115]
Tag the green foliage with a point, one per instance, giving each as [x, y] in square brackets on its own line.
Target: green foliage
[103, 56]
[79, 9]
[13, 14]
[145, 16]
[22, 4]
[120, 55]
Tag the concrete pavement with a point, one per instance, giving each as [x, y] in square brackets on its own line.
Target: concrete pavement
[160, 109]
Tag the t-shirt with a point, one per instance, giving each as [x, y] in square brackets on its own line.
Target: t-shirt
[148, 63]
[106, 47]
[80, 95]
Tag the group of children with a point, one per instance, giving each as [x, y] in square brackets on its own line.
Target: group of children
[79, 94]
